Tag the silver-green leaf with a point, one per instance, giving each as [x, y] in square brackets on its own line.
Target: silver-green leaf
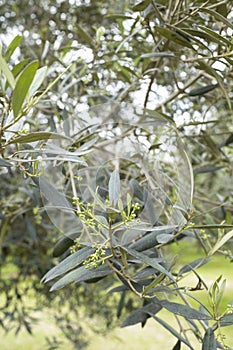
[209, 342]
[68, 264]
[114, 187]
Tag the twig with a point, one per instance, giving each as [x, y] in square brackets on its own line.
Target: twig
[223, 55]
[180, 91]
[158, 14]
[192, 13]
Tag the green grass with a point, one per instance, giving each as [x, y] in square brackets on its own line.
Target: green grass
[152, 336]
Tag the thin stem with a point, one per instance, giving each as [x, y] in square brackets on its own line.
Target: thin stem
[193, 324]
[111, 237]
[125, 277]
[158, 14]
[223, 55]
[179, 92]
[76, 196]
[200, 240]
[182, 330]
[192, 13]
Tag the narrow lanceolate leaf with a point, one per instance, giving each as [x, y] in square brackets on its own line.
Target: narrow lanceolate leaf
[149, 240]
[62, 246]
[150, 262]
[141, 5]
[221, 242]
[177, 346]
[22, 86]
[206, 169]
[114, 187]
[217, 16]
[136, 189]
[126, 72]
[217, 37]
[118, 16]
[38, 136]
[226, 320]
[193, 265]
[227, 142]
[6, 71]
[209, 342]
[37, 81]
[50, 192]
[12, 46]
[198, 33]
[19, 66]
[164, 238]
[81, 274]
[184, 310]
[141, 315]
[158, 55]
[174, 37]
[202, 90]
[213, 73]
[68, 264]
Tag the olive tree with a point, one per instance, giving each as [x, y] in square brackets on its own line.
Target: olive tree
[119, 125]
